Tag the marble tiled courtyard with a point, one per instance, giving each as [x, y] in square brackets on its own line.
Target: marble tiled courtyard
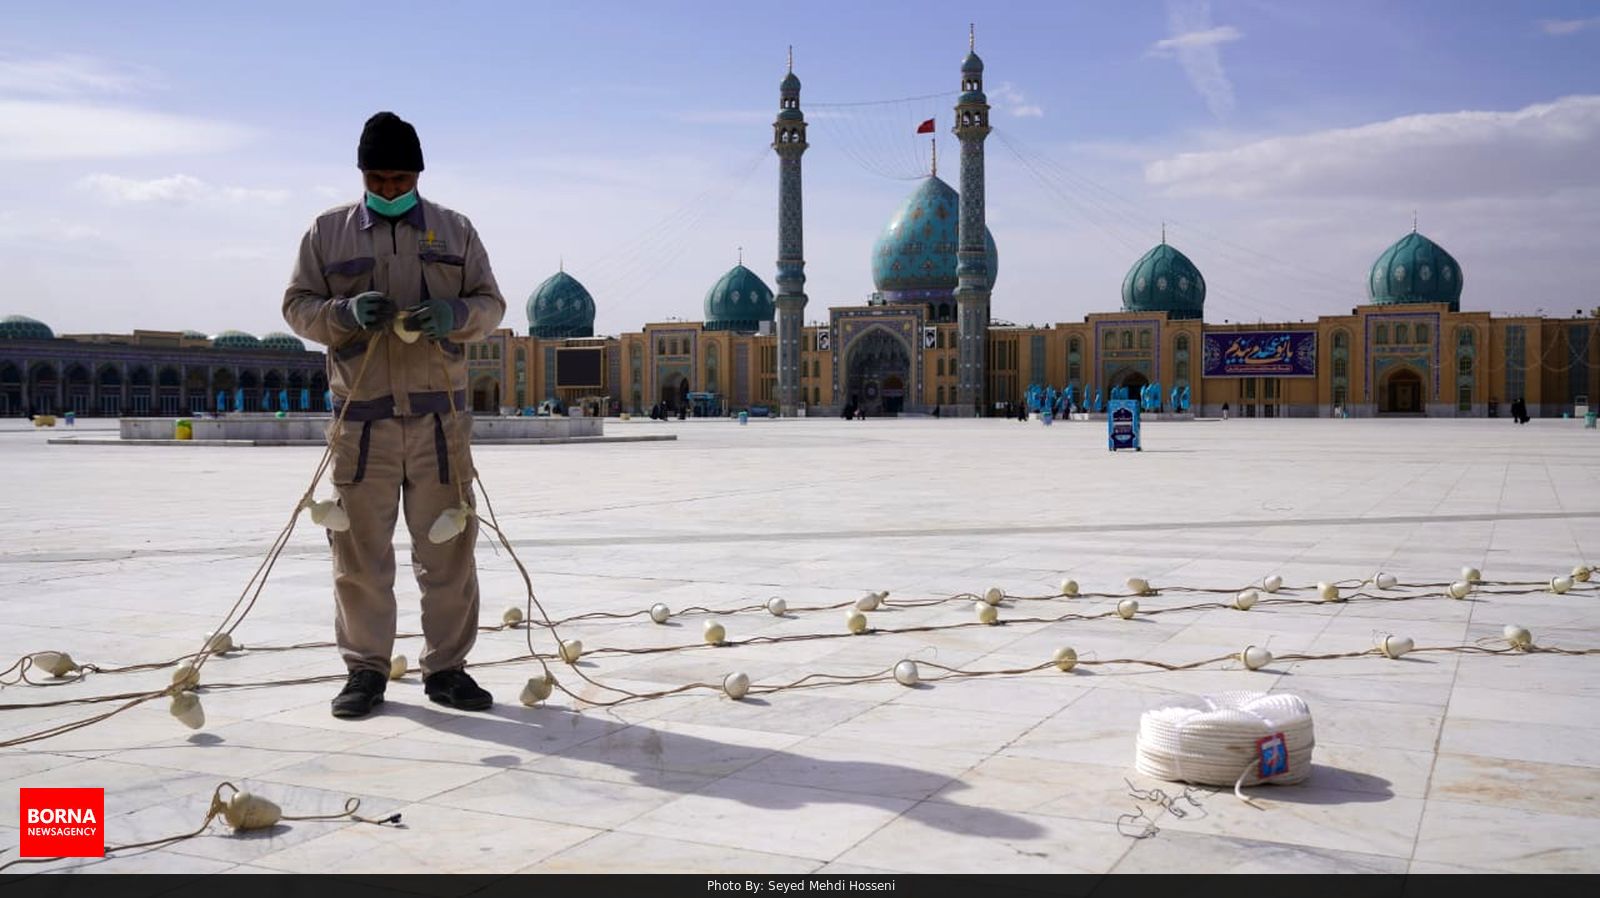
[1435, 762]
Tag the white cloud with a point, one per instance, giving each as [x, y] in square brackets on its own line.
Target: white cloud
[181, 190]
[1012, 101]
[1207, 38]
[1532, 150]
[68, 75]
[1196, 43]
[1562, 27]
[48, 131]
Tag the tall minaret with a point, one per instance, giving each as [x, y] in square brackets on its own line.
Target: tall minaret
[789, 142]
[972, 268]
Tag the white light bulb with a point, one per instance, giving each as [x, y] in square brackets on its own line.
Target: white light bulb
[329, 514]
[993, 595]
[451, 523]
[987, 613]
[245, 811]
[1138, 586]
[855, 621]
[1273, 583]
[883, 595]
[1327, 591]
[1395, 646]
[659, 612]
[868, 602]
[1127, 608]
[538, 689]
[906, 673]
[736, 685]
[1518, 636]
[219, 643]
[1255, 657]
[1459, 589]
[715, 633]
[186, 707]
[186, 676]
[1471, 574]
[511, 616]
[571, 650]
[1246, 599]
[777, 607]
[57, 664]
[398, 665]
[1069, 588]
[1560, 585]
[1066, 658]
[1581, 573]
[1387, 581]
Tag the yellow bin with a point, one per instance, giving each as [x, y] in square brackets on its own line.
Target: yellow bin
[183, 429]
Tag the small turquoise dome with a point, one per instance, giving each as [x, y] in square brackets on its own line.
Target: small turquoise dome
[1164, 280]
[195, 335]
[1415, 269]
[972, 96]
[235, 340]
[914, 259]
[21, 327]
[790, 115]
[282, 342]
[972, 64]
[560, 307]
[790, 83]
[739, 301]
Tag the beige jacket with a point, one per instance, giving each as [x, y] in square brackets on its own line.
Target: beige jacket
[430, 253]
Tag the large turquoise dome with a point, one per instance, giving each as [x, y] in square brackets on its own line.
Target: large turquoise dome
[282, 342]
[21, 327]
[914, 259]
[1415, 269]
[235, 340]
[1164, 280]
[739, 301]
[560, 307]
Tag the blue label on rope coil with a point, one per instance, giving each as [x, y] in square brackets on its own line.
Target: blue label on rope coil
[1274, 751]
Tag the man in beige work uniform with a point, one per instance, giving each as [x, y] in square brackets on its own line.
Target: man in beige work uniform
[406, 427]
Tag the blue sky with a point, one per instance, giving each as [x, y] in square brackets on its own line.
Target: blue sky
[159, 168]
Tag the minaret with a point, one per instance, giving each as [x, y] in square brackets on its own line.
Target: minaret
[972, 267]
[789, 142]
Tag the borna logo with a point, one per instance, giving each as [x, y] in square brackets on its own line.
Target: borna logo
[62, 822]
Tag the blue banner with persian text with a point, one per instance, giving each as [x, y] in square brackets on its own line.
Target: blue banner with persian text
[1261, 354]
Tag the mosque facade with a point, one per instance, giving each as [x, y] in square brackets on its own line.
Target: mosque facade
[926, 342]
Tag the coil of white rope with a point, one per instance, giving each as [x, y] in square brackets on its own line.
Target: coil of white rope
[1232, 739]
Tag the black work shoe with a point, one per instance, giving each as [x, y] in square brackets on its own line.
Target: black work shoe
[362, 692]
[457, 690]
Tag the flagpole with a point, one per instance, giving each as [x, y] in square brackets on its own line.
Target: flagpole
[935, 142]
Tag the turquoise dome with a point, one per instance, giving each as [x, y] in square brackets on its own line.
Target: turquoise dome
[235, 340]
[1415, 269]
[1164, 280]
[739, 301]
[282, 342]
[790, 83]
[914, 259]
[972, 64]
[790, 115]
[560, 307]
[21, 327]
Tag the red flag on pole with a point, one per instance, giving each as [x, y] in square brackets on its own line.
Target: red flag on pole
[926, 127]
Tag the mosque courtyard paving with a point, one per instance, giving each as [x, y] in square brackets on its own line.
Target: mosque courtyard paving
[1437, 761]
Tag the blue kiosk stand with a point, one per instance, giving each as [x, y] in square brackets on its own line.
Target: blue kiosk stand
[1122, 425]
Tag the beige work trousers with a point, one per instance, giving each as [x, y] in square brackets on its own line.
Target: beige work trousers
[424, 461]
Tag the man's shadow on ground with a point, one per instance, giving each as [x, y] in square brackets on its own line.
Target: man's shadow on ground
[591, 738]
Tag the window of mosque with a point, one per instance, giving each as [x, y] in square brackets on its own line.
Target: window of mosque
[1464, 364]
[1422, 333]
[497, 352]
[1341, 368]
[940, 367]
[1127, 339]
[1401, 333]
[1182, 344]
[940, 395]
[1463, 337]
[1144, 339]
[1464, 398]
[1074, 346]
[1380, 335]
[661, 346]
[1341, 340]
[1074, 372]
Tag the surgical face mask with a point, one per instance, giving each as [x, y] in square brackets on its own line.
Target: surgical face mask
[400, 205]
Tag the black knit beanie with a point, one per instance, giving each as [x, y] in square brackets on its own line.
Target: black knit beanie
[389, 143]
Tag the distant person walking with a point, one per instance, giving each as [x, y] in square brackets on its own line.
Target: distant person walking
[1224, 411]
[1519, 411]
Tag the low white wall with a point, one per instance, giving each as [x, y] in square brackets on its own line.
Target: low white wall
[309, 428]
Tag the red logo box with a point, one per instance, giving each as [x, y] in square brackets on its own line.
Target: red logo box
[63, 822]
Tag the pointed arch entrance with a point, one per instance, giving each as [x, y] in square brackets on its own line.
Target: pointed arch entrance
[878, 369]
